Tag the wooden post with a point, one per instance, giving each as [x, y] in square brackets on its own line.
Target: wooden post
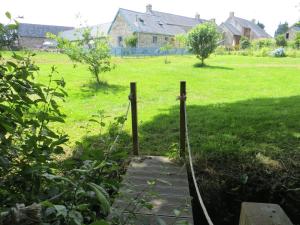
[135, 140]
[182, 118]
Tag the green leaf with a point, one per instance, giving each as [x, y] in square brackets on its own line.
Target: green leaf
[100, 222]
[102, 198]
[61, 210]
[176, 212]
[82, 207]
[8, 15]
[75, 217]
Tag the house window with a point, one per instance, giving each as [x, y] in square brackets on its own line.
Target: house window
[287, 35]
[120, 41]
[141, 21]
[166, 38]
[247, 32]
[154, 41]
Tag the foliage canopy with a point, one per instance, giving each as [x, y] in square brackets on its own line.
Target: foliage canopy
[95, 52]
[203, 40]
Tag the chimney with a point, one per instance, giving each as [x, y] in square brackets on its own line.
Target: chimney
[213, 20]
[149, 8]
[231, 14]
[197, 16]
[253, 21]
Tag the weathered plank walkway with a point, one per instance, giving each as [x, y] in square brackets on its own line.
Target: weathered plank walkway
[164, 184]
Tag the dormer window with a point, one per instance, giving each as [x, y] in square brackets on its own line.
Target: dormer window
[160, 24]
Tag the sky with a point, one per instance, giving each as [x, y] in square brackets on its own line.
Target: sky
[92, 12]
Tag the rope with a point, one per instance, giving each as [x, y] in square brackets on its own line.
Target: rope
[193, 172]
[120, 130]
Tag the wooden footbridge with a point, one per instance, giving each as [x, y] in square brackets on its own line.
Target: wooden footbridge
[155, 190]
[163, 185]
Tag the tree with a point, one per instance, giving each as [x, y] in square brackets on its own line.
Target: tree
[297, 40]
[8, 33]
[93, 52]
[131, 41]
[245, 42]
[203, 40]
[282, 29]
[297, 24]
[181, 40]
[166, 48]
[261, 25]
[280, 40]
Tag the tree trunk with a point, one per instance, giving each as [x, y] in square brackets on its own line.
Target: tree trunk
[97, 78]
[202, 61]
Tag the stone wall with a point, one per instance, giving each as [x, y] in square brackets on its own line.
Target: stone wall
[291, 34]
[145, 40]
[31, 42]
[120, 28]
[227, 37]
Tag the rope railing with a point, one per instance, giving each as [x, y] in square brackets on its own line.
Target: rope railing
[193, 171]
[111, 148]
[185, 142]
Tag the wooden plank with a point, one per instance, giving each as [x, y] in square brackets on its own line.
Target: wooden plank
[157, 181]
[142, 219]
[253, 213]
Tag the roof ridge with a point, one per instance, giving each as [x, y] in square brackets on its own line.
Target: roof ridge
[132, 11]
[176, 15]
[38, 24]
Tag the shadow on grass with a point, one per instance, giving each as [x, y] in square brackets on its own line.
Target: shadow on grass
[199, 65]
[92, 87]
[245, 151]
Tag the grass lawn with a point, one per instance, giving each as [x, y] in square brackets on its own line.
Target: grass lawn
[227, 79]
[243, 119]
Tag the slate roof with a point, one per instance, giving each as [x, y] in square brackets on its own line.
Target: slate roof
[158, 22]
[39, 30]
[231, 28]
[261, 33]
[296, 28]
[97, 31]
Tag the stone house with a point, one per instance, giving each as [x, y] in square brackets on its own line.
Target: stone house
[291, 33]
[152, 28]
[234, 28]
[33, 36]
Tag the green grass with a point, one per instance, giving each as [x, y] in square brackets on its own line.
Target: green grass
[238, 106]
[227, 80]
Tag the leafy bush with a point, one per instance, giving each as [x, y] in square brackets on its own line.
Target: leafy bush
[280, 40]
[297, 41]
[93, 52]
[278, 52]
[290, 52]
[165, 49]
[245, 42]
[28, 145]
[131, 41]
[181, 40]
[222, 50]
[203, 40]
[8, 34]
[263, 52]
[263, 42]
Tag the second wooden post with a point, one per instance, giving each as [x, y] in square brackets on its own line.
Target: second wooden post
[135, 139]
[182, 118]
